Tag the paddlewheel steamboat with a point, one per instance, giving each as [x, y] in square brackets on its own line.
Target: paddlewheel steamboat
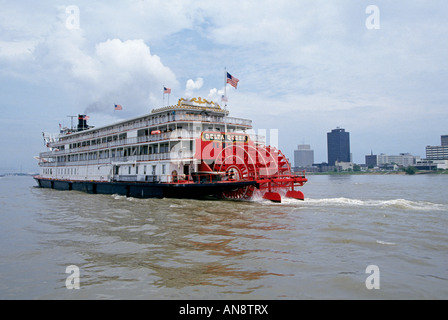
[189, 150]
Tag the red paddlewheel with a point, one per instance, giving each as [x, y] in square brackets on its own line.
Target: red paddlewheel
[243, 193]
[237, 172]
[236, 160]
[265, 164]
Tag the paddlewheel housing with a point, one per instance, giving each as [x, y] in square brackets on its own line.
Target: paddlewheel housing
[236, 158]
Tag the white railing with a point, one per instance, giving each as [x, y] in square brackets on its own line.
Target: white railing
[171, 135]
[145, 123]
[184, 155]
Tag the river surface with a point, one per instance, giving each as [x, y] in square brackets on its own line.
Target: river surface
[354, 237]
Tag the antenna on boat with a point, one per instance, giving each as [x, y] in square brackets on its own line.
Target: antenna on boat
[71, 121]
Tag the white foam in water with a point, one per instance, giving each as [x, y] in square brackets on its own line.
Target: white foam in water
[385, 243]
[396, 203]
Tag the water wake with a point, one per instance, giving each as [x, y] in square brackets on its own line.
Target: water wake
[393, 203]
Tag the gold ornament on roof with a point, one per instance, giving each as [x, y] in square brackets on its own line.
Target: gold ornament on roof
[194, 103]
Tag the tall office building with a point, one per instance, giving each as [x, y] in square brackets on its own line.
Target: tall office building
[303, 156]
[371, 160]
[438, 152]
[444, 140]
[338, 146]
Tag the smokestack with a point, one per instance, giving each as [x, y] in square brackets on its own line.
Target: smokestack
[82, 122]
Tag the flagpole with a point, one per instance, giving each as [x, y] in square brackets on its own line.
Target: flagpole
[225, 82]
[225, 98]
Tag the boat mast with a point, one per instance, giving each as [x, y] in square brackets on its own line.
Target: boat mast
[225, 100]
[71, 121]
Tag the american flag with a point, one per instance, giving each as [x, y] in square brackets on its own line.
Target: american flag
[166, 90]
[118, 107]
[224, 98]
[232, 80]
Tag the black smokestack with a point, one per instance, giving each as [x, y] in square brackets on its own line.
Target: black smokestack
[82, 122]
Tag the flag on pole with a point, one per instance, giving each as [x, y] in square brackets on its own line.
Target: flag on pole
[85, 118]
[118, 107]
[224, 98]
[232, 80]
[166, 90]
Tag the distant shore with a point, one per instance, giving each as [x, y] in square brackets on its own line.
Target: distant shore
[377, 172]
[332, 173]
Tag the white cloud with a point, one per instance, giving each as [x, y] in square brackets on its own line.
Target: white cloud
[127, 73]
[114, 71]
[215, 95]
[193, 85]
[14, 50]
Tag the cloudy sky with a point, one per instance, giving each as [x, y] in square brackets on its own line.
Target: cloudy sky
[305, 67]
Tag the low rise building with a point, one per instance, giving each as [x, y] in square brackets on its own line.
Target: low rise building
[344, 166]
[426, 164]
[402, 159]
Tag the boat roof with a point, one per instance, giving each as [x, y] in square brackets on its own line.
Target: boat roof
[194, 104]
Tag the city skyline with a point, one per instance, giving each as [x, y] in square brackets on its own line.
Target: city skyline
[377, 69]
[304, 153]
